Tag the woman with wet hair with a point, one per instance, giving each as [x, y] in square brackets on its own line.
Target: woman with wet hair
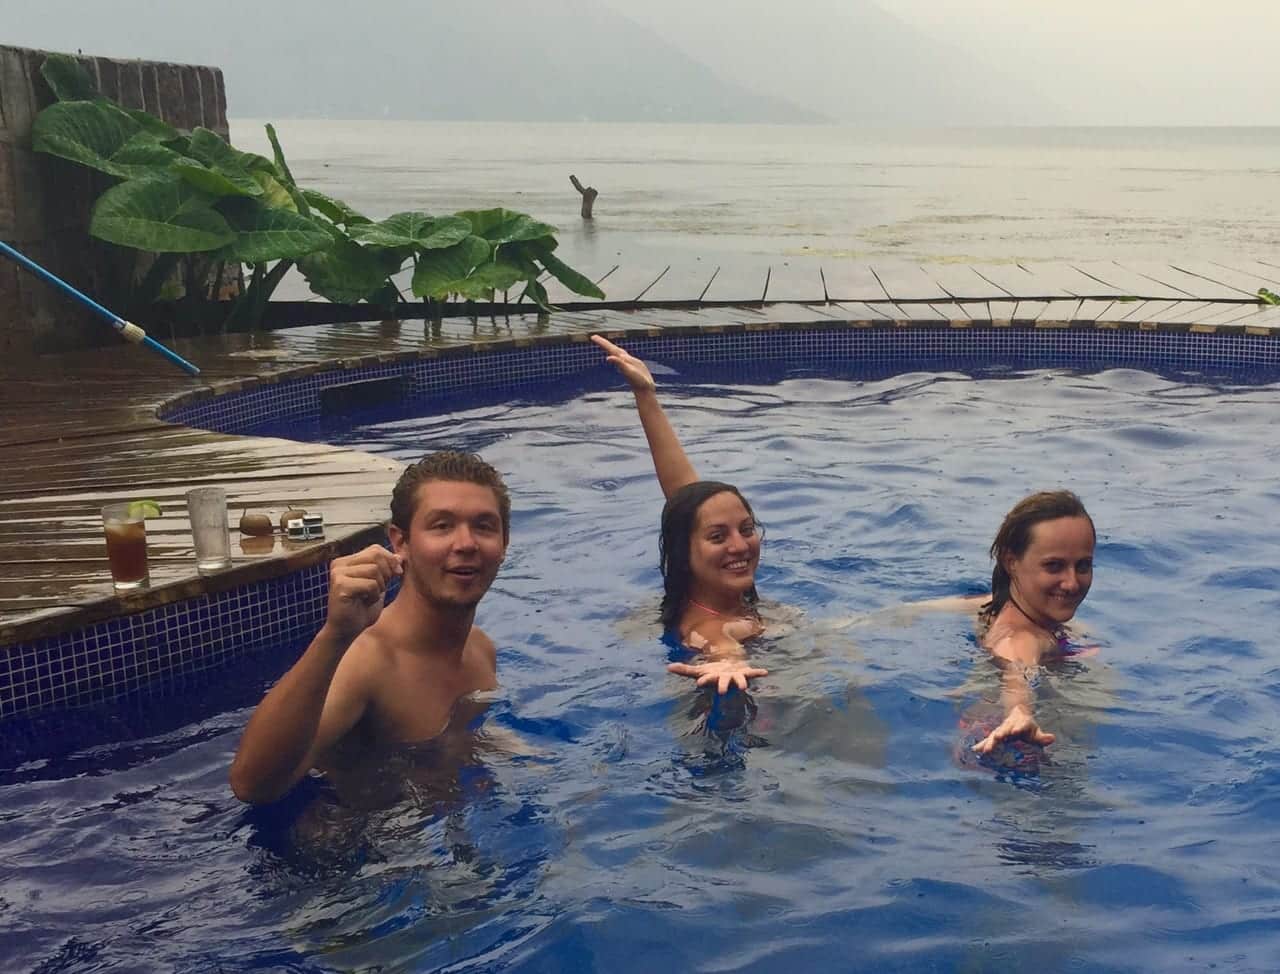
[708, 549]
[1043, 556]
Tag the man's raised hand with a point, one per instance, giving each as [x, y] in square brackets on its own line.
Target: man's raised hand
[357, 589]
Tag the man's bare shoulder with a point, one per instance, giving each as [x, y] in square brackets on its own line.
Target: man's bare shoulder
[483, 650]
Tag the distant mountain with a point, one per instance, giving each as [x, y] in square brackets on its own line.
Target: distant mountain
[849, 60]
[510, 60]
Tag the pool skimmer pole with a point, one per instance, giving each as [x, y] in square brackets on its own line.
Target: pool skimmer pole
[127, 329]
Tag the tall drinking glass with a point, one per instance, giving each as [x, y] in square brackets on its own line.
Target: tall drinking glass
[207, 507]
[126, 547]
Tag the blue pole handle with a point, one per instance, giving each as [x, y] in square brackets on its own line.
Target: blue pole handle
[116, 322]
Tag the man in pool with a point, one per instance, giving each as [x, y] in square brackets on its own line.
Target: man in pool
[374, 676]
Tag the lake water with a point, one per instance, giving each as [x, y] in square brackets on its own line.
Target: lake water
[677, 193]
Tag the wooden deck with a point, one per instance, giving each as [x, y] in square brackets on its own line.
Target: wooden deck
[79, 429]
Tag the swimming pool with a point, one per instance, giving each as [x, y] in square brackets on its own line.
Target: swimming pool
[831, 821]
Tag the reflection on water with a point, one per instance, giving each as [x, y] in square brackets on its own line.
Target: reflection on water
[408, 860]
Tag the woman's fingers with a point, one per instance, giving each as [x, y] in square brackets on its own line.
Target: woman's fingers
[1011, 729]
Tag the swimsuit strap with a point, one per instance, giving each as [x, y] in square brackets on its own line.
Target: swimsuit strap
[721, 615]
[1060, 637]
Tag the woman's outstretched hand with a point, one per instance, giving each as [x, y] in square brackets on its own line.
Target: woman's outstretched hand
[1019, 725]
[633, 370]
[722, 672]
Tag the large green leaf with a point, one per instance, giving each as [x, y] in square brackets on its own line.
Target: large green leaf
[503, 226]
[334, 209]
[570, 278]
[213, 182]
[441, 272]
[343, 272]
[282, 167]
[264, 234]
[214, 151]
[538, 294]
[152, 126]
[209, 148]
[414, 230]
[100, 136]
[68, 79]
[162, 215]
[487, 278]
[274, 193]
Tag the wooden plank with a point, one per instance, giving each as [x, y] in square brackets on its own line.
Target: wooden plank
[951, 311]
[1018, 283]
[1061, 310]
[1230, 314]
[685, 281]
[1142, 310]
[1195, 287]
[1126, 283]
[917, 311]
[1028, 310]
[1247, 284]
[796, 279]
[860, 311]
[1064, 278]
[790, 311]
[1002, 311]
[1268, 320]
[1095, 310]
[1187, 312]
[907, 282]
[962, 282]
[847, 280]
[1267, 274]
[741, 280]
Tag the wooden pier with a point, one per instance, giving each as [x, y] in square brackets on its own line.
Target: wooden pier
[80, 429]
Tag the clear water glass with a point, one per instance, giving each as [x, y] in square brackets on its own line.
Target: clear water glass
[207, 507]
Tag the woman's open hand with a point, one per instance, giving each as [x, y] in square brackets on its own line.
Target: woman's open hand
[722, 672]
[1019, 725]
[633, 370]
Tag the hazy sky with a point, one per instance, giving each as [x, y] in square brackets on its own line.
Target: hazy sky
[1105, 62]
[1127, 61]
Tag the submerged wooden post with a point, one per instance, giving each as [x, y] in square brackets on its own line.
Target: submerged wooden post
[589, 194]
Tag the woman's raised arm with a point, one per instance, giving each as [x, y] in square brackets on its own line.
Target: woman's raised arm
[669, 460]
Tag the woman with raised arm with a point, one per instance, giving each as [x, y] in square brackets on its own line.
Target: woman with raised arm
[708, 548]
[1043, 556]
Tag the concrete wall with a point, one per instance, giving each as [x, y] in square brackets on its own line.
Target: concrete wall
[45, 202]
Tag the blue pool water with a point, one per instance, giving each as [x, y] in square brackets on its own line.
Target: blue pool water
[830, 821]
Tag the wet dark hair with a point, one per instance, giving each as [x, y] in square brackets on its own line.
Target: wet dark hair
[453, 465]
[1014, 537]
[679, 515]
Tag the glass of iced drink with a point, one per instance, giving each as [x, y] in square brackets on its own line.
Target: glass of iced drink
[125, 526]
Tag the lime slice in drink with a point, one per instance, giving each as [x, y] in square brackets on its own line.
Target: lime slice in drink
[144, 509]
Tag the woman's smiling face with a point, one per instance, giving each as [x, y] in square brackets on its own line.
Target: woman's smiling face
[725, 547]
[1051, 578]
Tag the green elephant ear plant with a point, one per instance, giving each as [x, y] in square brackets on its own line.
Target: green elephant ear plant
[196, 202]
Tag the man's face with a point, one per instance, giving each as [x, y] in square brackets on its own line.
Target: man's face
[454, 545]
